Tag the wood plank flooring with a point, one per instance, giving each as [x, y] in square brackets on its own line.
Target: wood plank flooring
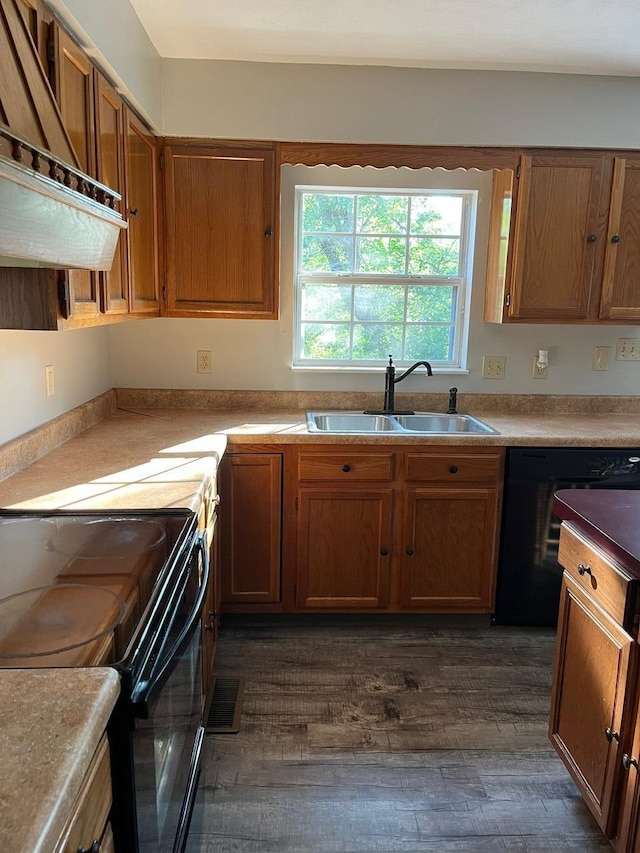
[389, 735]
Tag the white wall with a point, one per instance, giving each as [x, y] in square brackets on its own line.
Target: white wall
[254, 100]
[256, 354]
[82, 370]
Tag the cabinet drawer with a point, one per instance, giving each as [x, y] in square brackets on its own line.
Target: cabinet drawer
[453, 468]
[91, 808]
[608, 585]
[345, 466]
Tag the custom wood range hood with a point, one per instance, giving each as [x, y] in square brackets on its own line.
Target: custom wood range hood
[51, 214]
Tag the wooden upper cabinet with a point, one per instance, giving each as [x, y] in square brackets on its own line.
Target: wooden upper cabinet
[221, 231]
[74, 90]
[141, 168]
[621, 279]
[110, 171]
[37, 17]
[556, 237]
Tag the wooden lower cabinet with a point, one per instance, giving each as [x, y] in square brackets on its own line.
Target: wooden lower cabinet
[590, 695]
[210, 614]
[344, 542]
[251, 522]
[448, 548]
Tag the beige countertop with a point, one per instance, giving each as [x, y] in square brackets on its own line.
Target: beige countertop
[50, 723]
[155, 458]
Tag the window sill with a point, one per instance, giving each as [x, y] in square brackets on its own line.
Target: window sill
[437, 371]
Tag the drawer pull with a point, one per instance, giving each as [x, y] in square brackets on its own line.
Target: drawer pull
[628, 761]
[410, 552]
[346, 468]
[453, 469]
[384, 551]
[611, 735]
[584, 570]
[95, 848]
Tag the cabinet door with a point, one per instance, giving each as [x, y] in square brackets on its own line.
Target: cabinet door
[448, 549]
[344, 543]
[141, 213]
[555, 237]
[210, 616]
[74, 89]
[110, 171]
[621, 279]
[250, 508]
[220, 223]
[589, 698]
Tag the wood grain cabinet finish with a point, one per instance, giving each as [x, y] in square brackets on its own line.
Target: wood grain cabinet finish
[251, 527]
[401, 530]
[221, 231]
[344, 543]
[556, 231]
[87, 823]
[590, 702]
[621, 279]
[75, 93]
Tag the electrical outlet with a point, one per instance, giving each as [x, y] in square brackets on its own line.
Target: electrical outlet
[204, 361]
[601, 358]
[538, 372]
[493, 366]
[49, 384]
[628, 349]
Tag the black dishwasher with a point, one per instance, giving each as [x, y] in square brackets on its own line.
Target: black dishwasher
[528, 585]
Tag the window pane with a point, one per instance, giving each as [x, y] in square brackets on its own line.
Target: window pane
[436, 214]
[327, 254]
[431, 343]
[437, 256]
[324, 341]
[427, 302]
[327, 212]
[326, 302]
[379, 303]
[376, 342]
[382, 214]
[381, 255]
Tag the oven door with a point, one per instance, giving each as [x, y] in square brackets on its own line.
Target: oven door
[167, 703]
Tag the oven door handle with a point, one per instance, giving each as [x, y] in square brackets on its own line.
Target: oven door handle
[144, 688]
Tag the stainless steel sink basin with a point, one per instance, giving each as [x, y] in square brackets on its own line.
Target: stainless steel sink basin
[349, 422]
[435, 423]
[422, 423]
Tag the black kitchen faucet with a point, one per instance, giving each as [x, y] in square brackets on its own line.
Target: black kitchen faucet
[390, 381]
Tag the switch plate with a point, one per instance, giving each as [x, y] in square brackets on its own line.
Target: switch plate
[49, 383]
[539, 372]
[601, 357]
[204, 361]
[628, 349]
[493, 366]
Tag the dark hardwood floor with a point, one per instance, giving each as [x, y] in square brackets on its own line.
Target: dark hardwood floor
[383, 735]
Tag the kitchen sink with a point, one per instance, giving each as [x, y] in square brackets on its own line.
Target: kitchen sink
[435, 423]
[420, 423]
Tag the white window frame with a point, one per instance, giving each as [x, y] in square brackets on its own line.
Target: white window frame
[462, 281]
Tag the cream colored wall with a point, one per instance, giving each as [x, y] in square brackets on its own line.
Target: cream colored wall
[82, 370]
[256, 354]
[348, 103]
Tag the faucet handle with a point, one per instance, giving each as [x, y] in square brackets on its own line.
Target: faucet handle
[390, 360]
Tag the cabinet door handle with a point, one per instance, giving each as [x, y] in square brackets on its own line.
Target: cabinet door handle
[346, 468]
[384, 551]
[410, 552]
[591, 238]
[453, 469]
[584, 570]
[95, 848]
[611, 735]
[615, 238]
[135, 213]
[268, 232]
[628, 761]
